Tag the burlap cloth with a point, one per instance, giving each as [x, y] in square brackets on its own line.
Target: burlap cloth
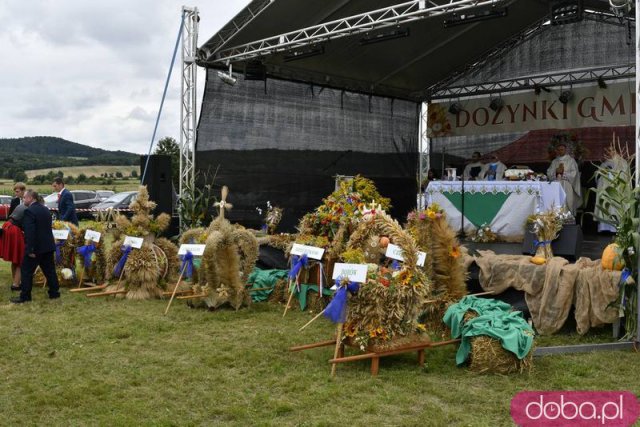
[551, 289]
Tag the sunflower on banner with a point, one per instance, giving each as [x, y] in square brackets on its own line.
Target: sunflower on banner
[438, 121]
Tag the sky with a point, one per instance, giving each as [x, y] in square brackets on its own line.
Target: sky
[93, 71]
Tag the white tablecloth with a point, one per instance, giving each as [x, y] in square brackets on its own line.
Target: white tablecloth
[524, 198]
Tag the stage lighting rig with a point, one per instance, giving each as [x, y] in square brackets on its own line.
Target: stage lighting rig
[228, 78]
[496, 104]
[565, 96]
[455, 108]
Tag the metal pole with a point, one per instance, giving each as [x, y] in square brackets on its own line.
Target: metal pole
[424, 152]
[190, 19]
[637, 152]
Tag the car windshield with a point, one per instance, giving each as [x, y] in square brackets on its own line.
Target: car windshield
[53, 197]
[117, 198]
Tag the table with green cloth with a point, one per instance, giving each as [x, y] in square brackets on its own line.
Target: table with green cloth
[502, 205]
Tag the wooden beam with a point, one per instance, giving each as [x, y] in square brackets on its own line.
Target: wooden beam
[91, 288]
[106, 294]
[193, 296]
[314, 345]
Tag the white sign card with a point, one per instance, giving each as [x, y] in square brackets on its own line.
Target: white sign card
[395, 252]
[311, 251]
[93, 236]
[60, 234]
[196, 250]
[352, 272]
[134, 242]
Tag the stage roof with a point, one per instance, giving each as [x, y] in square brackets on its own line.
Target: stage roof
[403, 52]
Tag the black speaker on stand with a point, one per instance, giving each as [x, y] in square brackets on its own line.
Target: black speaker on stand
[158, 179]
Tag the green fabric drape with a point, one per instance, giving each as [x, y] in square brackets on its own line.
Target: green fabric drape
[264, 279]
[304, 289]
[513, 332]
[454, 316]
[479, 208]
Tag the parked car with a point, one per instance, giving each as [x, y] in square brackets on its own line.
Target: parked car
[118, 201]
[83, 199]
[105, 194]
[5, 202]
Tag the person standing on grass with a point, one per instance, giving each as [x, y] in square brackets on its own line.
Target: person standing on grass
[12, 243]
[18, 190]
[66, 206]
[39, 248]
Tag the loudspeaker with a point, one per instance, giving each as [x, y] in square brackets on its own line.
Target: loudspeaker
[568, 244]
[158, 181]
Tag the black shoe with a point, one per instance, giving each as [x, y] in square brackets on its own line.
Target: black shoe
[15, 288]
[55, 296]
[18, 300]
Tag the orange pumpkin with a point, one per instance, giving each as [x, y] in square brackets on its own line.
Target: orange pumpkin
[384, 242]
[612, 258]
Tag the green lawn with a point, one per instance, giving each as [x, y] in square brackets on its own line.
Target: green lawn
[76, 361]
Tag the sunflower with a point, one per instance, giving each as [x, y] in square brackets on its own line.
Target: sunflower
[455, 252]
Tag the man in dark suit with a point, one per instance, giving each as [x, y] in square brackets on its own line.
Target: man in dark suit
[18, 190]
[39, 248]
[66, 207]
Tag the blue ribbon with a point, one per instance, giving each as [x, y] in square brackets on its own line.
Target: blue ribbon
[626, 273]
[537, 243]
[395, 265]
[298, 263]
[59, 245]
[187, 261]
[87, 251]
[336, 311]
[126, 250]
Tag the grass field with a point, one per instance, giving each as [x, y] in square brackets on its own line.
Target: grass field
[76, 361]
[6, 187]
[87, 170]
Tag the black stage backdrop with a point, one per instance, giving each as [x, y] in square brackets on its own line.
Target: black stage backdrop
[284, 142]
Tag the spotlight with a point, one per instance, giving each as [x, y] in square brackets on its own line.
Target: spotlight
[455, 108]
[496, 104]
[566, 11]
[228, 78]
[381, 37]
[565, 96]
[620, 7]
[539, 88]
[601, 83]
[305, 53]
[460, 19]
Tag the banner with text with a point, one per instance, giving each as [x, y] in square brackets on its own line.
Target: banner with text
[589, 106]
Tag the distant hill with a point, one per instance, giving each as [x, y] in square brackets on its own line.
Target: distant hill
[41, 152]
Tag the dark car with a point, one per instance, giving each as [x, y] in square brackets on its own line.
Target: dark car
[83, 199]
[117, 201]
[5, 201]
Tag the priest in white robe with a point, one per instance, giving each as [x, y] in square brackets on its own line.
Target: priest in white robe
[494, 170]
[564, 169]
[473, 171]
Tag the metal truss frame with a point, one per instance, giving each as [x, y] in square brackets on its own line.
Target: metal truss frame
[229, 31]
[188, 108]
[531, 82]
[425, 153]
[446, 88]
[381, 18]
